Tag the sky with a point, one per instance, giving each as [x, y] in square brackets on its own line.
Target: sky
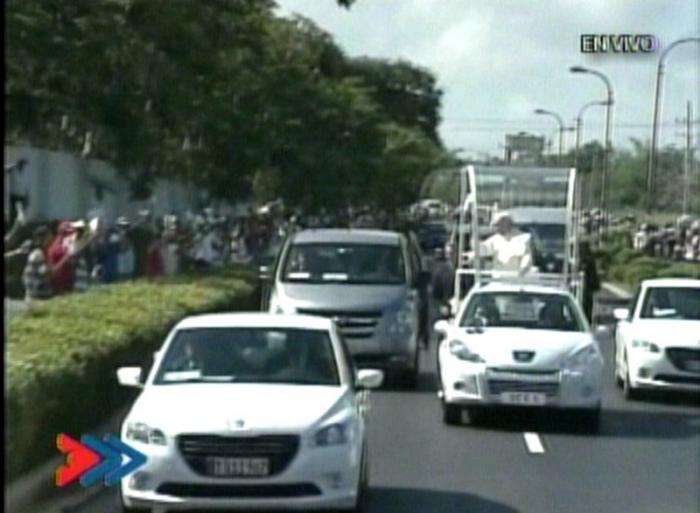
[498, 60]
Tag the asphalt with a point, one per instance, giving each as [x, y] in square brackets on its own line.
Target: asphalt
[646, 458]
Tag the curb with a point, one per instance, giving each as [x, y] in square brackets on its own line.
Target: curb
[38, 486]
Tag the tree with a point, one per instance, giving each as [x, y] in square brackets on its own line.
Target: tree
[407, 93]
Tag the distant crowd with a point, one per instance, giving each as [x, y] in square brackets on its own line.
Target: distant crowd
[74, 255]
[67, 256]
[675, 241]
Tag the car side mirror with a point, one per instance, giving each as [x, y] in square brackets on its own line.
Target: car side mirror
[621, 314]
[130, 377]
[445, 311]
[441, 327]
[369, 378]
[264, 272]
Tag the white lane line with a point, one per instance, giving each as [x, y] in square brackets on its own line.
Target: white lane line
[533, 443]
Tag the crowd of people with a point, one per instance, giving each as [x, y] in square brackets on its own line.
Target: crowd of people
[75, 255]
[69, 256]
[675, 241]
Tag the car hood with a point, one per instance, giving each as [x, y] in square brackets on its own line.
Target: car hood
[217, 408]
[344, 297]
[497, 345]
[668, 332]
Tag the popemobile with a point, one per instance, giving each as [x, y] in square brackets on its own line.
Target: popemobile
[514, 335]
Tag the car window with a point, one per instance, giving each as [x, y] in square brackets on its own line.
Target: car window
[522, 310]
[380, 264]
[671, 303]
[249, 355]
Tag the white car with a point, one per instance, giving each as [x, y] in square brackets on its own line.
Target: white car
[249, 411]
[657, 341]
[519, 345]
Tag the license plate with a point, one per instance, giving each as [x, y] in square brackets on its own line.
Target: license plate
[250, 467]
[693, 365]
[523, 398]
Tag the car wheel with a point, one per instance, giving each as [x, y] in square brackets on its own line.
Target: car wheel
[477, 416]
[451, 414]
[409, 379]
[590, 421]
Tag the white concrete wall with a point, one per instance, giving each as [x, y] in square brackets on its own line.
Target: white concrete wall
[64, 186]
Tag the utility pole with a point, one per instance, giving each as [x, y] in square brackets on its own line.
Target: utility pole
[688, 161]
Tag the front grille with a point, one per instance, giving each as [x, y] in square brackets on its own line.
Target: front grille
[239, 491]
[678, 380]
[680, 356]
[499, 386]
[351, 324]
[279, 449]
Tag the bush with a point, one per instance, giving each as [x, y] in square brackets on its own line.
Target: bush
[63, 354]
[681, 270]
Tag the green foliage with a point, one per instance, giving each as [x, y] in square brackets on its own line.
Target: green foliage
[621, 264]
[63, 354]
[213, 91]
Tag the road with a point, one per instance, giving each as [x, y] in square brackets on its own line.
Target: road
[646, 459]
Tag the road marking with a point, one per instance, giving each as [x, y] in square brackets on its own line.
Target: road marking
[533, 443]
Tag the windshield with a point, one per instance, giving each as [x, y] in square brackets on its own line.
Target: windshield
[672, 303]
[547, 238]
[249, 355]
[522, 310]
[348, 263]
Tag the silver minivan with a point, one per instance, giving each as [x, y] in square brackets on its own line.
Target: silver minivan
[368, 282]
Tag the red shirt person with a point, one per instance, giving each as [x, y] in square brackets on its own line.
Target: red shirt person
[59, 260]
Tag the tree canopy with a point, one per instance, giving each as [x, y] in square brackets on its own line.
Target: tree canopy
[222, 93]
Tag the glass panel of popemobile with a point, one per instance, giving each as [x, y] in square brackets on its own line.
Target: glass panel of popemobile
[542, 201]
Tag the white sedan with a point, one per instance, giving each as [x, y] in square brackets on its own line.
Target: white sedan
[249, 411]
[657, 341]
[516, 346]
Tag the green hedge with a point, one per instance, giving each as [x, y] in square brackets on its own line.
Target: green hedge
[63, 354]
[623, 265]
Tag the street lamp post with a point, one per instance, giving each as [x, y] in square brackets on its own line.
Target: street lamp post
[579, 130]
[655, 121]
[561, 127]
[608, 129]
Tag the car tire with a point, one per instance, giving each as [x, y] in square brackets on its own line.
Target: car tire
[590, 421]
[477, 416]
[451, 414]
[409, 379]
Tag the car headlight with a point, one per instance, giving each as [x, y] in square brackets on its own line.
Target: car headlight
[461, 351]
[582, 358]
[140, 432]
[401, 322]
[645, 345]
[335, 434]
